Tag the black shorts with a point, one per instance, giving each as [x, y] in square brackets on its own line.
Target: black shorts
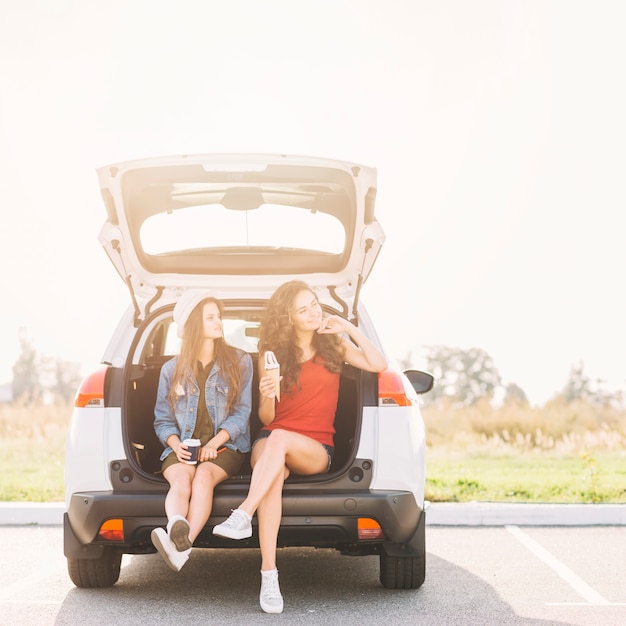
[330, 450]
[229, 460]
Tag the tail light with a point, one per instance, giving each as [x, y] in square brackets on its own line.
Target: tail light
[394, 389]
[112, 530]
[369, 529]
[91, 390]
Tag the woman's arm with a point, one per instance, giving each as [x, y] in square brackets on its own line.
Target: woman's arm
[211, 449]
[165, 425]
[238, 422]
[364, 355]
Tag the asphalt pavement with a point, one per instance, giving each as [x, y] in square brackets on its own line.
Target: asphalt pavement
[437, 514]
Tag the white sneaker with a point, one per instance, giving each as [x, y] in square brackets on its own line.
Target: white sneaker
[178, 530]
[172, 557]
[270, 597]
[237, 526]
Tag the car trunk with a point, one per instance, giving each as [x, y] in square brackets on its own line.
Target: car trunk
[142, 445]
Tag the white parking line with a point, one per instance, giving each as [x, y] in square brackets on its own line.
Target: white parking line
[590, 595]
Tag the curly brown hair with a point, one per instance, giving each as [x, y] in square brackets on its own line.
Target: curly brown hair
[227, 356]
[277, 333]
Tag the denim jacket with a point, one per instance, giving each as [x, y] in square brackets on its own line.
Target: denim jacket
[237, 424]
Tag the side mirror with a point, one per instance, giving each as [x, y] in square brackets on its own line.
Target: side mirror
[422, 381]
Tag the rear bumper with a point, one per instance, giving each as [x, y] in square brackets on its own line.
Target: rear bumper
[319, 518]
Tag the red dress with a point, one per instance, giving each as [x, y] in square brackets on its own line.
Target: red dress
[310, 409]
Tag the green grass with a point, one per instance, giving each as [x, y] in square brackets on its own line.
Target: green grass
[32, 473]
[558, 453]
[32, 452]
[533, 477]
[451, 476]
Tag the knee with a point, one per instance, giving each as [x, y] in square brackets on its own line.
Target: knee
[277, 441]
[182, 487]
[206, 478]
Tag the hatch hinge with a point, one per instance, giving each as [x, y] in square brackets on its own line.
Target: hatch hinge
[159, 291]
[344, 307]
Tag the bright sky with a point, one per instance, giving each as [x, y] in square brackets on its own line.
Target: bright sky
[497, 127]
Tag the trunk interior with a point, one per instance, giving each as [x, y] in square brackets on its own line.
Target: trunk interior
[146, 448]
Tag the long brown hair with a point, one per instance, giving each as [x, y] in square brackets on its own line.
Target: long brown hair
[277, 333]
[225, 355]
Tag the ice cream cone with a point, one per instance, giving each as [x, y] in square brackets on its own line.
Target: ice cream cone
[272, 367]
[275, 376]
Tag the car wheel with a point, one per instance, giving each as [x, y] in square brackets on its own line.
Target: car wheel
[402, 572]
[406, 572]
[101, 572]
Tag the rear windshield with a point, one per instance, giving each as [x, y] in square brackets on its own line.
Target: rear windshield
[269, 226]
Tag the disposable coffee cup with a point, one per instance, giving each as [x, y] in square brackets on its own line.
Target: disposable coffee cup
[193, 445]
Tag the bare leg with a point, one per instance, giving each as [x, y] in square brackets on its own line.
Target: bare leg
[207, 476]
[180, 477]
[175, 548]
[269, 514]
[299, 453]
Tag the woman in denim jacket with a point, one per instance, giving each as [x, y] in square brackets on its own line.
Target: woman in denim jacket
[219, 417]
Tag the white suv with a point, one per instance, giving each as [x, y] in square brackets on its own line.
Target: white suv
[241, 225]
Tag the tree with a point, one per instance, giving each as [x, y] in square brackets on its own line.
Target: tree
[25, 370]
[59, 378]
[580, 387]
[514, 394]
[44, 378]
[462, 376]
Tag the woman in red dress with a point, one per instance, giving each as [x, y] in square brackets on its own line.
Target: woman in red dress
[297, 436]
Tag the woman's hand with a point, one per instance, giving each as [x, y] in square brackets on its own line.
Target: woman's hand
[208, 452]
[360, 352]
[334, 325]
[183, 454]
[266, 387]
